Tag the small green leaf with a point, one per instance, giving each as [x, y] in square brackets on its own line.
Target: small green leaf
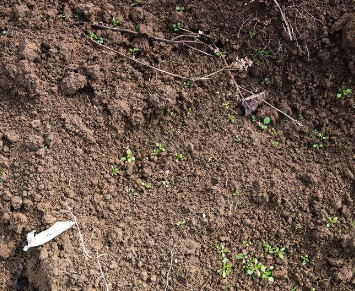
[347, 91]
[266, 120]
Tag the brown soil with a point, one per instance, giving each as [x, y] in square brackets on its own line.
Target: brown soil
[69, 107]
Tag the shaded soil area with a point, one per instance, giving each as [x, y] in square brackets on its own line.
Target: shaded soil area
[213, 199]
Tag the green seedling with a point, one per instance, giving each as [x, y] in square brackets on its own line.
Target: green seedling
[247, 243]
[251, 33]
[231, 118]
[275, 132]
[304, 259]
[319, 136]
[226, 266]
[168, 182]
[173, 114]
[114, 22]
[96, 38]
[187, 83]
[104, 91]
[266, 81]
[238, 139]
[254, 268]
[179, 157]
[75, 16]
[129, 158]
[236, 193]
[136, 3]
[225, 104]
[133, 52]
[181, 223]
[263, 124]
[300, 117]
[159, 148]
[210, 158]
[341, 93]
[189, 110]
[262, 53]
[177, 26]
[332, 221]
[275, 144]
[221, 54]
[145, 185]
[353, 223]
[114, 171]
[4, 32]
[294, 288]
[61, 13]
[274, 250]
[298, 227]
[180, 9]
[131, 192]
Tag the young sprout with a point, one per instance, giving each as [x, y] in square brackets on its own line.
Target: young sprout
[129, 158]
[114, 171]
[179, 157]
[96, 38]
[181, 223]
[177, 26]
[332, 221]
[304, 259]
[136, 3]
[133, 52]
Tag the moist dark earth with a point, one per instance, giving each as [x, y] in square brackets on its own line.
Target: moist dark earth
[226, 186]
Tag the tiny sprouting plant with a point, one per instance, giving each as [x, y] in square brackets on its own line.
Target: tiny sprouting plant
[353, 223]
[262, 52]
[294, 288]
[136, 3]
[129, 158]
[254, 268]
[104, 91]
[226, 266]
[231, 118]
[168, 182]
[332, 221]
[251, 33]
[275, 144]
[319, 136]
[114, 22]
[266, 81]
[236, 193]
[180, 9]
[304, 259]
[96, 38]
[312, 289]
[131, 192]
[298, 227]
[274, 250]
[75, 16]
[263, 124]
[181, 223]
[4, 32]
[61, 13]
[300, 117]
[225, 104]
[341, 93]
[210, 158]
[114, 171]
[220, 54]
[173, 114]
[187, 83]
[145, 185]
[275, 132]
[159, 148]
[189, 110]
[238, 139]
[247, 243]
[179, 157]
[133, 52]
[177, 26]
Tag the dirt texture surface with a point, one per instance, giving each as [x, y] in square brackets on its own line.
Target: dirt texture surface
[213, 199]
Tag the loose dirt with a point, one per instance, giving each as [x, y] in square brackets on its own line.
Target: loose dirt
[70, 108]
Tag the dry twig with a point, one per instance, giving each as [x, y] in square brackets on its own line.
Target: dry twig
[285, 20]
